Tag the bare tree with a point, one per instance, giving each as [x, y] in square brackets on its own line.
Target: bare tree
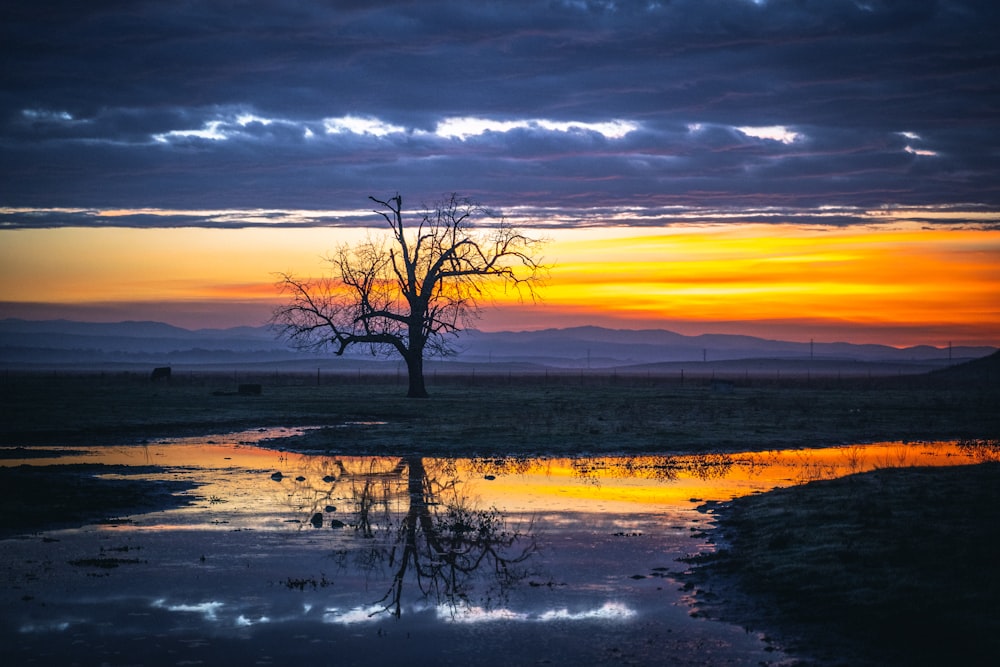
[410, 291]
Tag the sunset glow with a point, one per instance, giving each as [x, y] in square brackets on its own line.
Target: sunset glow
[891, 279]
[897, 285]
[693, 174]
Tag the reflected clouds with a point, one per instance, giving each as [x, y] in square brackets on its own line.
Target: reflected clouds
[208, 610]
[229, 616]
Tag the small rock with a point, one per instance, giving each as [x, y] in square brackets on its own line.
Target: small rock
[317, 520]
[336, 523]
[329, 509]
[277, 477]
[300, 478]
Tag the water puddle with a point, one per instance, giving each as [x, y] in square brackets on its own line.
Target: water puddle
[283, 556]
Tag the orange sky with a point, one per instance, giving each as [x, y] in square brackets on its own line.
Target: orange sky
[897, 285]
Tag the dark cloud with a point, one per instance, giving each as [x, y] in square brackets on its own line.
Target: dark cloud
[313, 105]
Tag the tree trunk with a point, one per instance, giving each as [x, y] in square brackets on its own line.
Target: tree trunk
[415, 371]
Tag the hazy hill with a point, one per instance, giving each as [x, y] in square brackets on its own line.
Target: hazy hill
[68, 342]
[984, 369]
[599, 347]
[64, 342]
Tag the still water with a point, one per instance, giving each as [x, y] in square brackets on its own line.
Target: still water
[284, 557]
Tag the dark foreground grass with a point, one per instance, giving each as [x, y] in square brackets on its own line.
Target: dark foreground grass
[892, 567]
[503, 416]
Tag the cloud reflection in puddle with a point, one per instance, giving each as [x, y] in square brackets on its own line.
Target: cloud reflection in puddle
[353, 616]
[608, 611]
[55, 626]
[615, 611]
[208, 610]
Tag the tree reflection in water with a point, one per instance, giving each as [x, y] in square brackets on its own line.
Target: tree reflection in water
[983, 450]
[412, 527]
[420, 530]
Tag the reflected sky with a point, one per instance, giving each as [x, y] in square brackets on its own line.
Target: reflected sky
[332, 547]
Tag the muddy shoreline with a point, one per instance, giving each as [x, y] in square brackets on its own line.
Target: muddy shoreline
[34, 499]
[891, 567]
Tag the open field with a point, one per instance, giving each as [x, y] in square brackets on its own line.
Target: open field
[501, 414]
[890, 567]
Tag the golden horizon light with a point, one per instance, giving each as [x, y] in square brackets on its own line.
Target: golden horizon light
[895, 284]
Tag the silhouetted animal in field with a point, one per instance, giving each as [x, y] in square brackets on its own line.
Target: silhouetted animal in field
[162, 373]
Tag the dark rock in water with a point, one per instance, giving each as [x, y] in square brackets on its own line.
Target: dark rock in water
[300, 478]
[277, 477]
[489, 477]
[329, 479]
[317, 520]
[330, 508]
[336, 523]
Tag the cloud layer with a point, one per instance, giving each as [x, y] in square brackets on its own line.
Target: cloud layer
[575, 112]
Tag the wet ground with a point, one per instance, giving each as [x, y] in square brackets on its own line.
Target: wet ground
[280, 556]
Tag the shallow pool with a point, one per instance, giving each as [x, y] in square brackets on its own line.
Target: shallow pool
[364, 560]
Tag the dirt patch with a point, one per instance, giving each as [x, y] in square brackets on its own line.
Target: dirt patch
[891, 567]
[34, 499]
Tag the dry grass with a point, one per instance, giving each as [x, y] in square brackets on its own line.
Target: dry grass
[498, 415]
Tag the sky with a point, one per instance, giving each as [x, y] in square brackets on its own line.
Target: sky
[802, 169]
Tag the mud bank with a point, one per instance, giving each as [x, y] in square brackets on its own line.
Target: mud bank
[891, 567]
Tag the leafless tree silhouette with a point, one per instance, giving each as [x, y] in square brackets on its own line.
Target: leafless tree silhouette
[407, 293]
[415, 528]
[447, 545]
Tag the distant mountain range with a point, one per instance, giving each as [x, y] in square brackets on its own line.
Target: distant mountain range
[598, 347]
[56, 343]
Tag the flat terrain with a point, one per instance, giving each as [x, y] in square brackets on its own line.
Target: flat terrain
[890, 567]
[503, 414]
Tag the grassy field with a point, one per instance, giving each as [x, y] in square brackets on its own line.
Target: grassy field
[891, 567]
[499, 415]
